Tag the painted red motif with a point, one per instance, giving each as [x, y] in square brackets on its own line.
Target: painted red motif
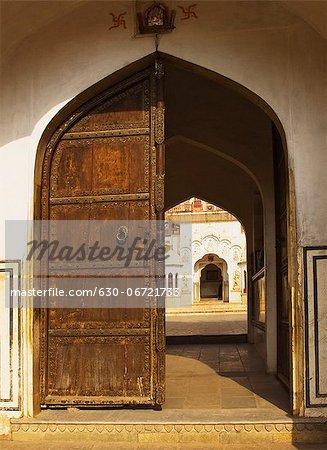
[118, 20]
[188, 11]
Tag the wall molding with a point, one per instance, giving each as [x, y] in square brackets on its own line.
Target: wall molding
[9, 336]
[315, 315]
[165, 433]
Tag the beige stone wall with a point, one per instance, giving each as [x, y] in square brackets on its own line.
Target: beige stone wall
[261, 45]
[51, 53]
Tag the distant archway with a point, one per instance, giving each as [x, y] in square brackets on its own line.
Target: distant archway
[211, 282]
[211, 285]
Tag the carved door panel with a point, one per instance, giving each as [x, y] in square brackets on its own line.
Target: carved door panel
[105, 163]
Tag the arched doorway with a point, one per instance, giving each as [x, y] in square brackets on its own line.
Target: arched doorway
[211, 282]
[193, 142]
[221, 278]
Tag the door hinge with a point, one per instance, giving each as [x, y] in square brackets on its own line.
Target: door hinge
[159, 68]
[159, 192]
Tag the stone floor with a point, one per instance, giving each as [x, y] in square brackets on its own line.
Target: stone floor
[204, 383]
[219, 323]
[208, 306]
[225, 378]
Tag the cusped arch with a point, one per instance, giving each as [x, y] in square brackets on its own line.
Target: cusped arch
[70, 112]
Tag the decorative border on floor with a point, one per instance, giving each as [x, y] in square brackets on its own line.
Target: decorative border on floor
[300, 432]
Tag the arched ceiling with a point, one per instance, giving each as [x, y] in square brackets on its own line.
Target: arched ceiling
[313, 13]
[194, 172]
[20, 19]
[218, 144]
[207, 114]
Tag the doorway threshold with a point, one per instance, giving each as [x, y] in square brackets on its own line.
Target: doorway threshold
[157, 427]
[215, 394]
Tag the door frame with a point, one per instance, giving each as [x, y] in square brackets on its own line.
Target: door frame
[297, 335]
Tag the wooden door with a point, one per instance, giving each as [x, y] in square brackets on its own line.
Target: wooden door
[283, 291]
[105, 163]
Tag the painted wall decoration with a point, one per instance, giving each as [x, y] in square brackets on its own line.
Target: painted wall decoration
[157, 18]
[236, 280]
[189, 12]
[118, 20]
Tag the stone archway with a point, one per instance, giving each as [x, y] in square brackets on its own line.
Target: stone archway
[211, 282]
[247, 182]
[200, 266]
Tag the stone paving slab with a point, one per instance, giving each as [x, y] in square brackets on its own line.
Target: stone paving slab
[204, 384]
[216, 394]
[206, 324]
[212, 306]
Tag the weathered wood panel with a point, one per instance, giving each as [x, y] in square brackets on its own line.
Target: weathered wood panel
[103, 164]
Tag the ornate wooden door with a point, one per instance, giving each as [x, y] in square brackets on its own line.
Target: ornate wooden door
[105, 162]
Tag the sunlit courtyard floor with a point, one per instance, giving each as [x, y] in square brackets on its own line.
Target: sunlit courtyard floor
[200, 324]
[204, 383]
[226, 380]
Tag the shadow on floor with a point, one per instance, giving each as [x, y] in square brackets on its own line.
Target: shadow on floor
[222, 376]
[207, 339]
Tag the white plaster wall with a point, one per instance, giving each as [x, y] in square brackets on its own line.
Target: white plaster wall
[261, 45]
[221, 239]
[218, 238]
